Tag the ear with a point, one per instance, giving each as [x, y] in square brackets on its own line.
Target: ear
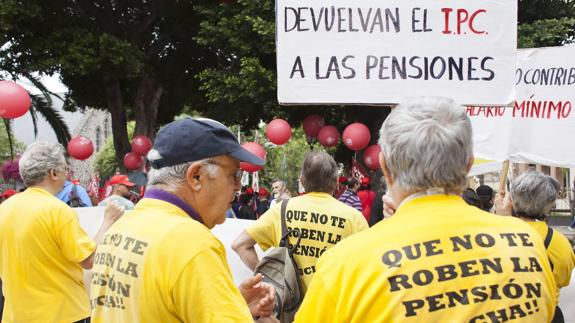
[52, 174]
[194, 176]
[385, 170]
[470, 163]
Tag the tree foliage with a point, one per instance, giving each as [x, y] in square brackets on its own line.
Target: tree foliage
[136, 59]
[106, 164]
[5, 142]
[146, 60]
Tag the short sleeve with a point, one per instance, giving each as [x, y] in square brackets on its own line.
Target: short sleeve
[204, 291]
[73, 240]
[360, 224]
[563, 259]
[265, 229]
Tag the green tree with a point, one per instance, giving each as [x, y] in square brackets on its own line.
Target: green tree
[241, 35]
[545, 23]
[136, 59]
[9, 146]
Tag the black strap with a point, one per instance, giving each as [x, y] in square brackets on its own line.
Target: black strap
[548, 237]
[547, 242]
[284, 225]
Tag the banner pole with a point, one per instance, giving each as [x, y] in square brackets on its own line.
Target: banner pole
[503, 176]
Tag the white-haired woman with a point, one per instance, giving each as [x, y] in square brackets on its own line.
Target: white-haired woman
[532, 196]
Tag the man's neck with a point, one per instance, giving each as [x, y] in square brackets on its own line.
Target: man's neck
[47, 187]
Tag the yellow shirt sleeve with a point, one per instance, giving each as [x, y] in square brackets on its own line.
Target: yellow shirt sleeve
[204, 291]
[316, 299]
[265, 230]
[73, 240]
[361, 224]
[563, 258]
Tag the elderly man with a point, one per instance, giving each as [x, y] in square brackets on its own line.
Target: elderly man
[532, 196]
[321, 220]
[42, 246]
[121, 186]
[280, 192]
[161, 262]
[436, 259]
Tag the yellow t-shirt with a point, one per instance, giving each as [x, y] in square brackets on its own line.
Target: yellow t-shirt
[156, 264]
[436, 260]
[41, 246]
[322, 221]
[559, 253]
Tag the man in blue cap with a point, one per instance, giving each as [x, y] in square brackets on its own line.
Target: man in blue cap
[162, 263]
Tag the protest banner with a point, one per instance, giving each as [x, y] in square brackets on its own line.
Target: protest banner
[378, 52]
[538, 128]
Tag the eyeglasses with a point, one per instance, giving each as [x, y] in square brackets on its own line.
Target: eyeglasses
[237, 175]
[66, 169]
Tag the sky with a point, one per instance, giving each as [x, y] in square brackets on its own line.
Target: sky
[23, 128]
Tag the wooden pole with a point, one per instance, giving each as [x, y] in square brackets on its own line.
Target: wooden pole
[503, 176]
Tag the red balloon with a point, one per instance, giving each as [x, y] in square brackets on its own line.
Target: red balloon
[14, 100]
[371, 157]
[328, 136]
[133, 160]
[141, 145]
[356, 136]
[278, 131]
[312, 124]
[80, 148]
[257, 150]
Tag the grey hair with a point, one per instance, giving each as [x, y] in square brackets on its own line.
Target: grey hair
[426, 142]
[38, 159]
[533, 194]
[281, 182]
[171, 177]
[319, 172]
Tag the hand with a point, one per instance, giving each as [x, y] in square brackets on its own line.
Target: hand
[260, 296]
[113, 212]
[389, 206]
[503, 205]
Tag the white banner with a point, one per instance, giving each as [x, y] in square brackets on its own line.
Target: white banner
[376, 52]
[540, 127]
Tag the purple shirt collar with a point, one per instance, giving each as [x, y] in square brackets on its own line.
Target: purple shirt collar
[161, 195]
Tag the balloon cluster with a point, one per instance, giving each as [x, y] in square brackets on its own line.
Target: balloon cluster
[356, 136]
[81, 148]
[141, 145]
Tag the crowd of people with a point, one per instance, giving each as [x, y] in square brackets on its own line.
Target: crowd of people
[435, 250]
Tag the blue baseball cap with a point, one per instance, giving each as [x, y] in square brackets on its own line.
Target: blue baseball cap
[188, 140]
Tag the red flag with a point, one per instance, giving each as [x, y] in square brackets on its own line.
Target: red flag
[357, 171]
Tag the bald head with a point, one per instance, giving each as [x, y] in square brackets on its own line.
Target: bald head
[319, 172]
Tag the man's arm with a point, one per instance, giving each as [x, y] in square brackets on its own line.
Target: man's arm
[244, 245]
[111, 215]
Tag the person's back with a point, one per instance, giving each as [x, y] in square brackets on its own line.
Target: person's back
[74, 195]
[559, 252]
[318, 218]
[473, 272]
[146, 291]
[437, 259]
[37, 239]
